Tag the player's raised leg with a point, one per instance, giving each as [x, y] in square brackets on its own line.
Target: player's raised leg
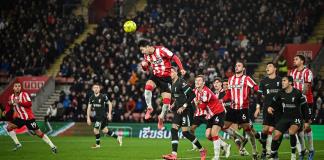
[110, 133]
[13, 136]
[47, 140]
[149, 87]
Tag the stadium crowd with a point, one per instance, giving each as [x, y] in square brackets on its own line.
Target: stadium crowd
[209, 36]
[33, 34]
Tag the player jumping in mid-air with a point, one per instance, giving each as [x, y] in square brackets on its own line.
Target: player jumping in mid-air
[268, 87]
[159, 58]
[303, 78]
[98, 102]
[238, 93]
[292, 104]
[21, 103]
[183, 97]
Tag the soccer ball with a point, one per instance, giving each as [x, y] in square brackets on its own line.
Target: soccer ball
[129, 26]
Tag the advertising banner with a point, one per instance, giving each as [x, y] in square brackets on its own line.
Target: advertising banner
[29, 84]
[308, 50]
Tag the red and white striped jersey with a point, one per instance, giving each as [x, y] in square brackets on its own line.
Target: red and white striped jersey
[239, 91]
[302, 77]
[199, 111]
[23, 108]
[160, 61]
[208, 101]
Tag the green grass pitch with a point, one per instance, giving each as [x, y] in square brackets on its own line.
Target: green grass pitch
[78, 148]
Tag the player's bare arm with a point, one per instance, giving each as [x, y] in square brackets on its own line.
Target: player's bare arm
[109, 115]
[88, 114]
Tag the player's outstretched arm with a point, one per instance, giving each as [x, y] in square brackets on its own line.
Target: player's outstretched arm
[176, 59]
[88, 114]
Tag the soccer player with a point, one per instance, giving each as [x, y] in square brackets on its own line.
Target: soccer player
[238, 93]
[183, 97]
[292, 104]
[21, 103]
[269, 86]
[197, 120]
[220, 92]
[98, 102]
[303, 78]
[159, 58]
[208, 101]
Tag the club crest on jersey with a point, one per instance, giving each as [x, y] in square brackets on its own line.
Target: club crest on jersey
[299, 80]
[278, 83]
[99, 100]
[293, 99]
[158, 61]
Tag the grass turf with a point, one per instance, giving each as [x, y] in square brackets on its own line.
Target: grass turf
[78, 148]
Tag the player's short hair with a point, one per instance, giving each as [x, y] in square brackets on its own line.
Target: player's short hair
[201, 76]
[301, 57]
[218, 79]
[242, 62]
[290, 78]
[273, 63]
[225, 80]
[143, 43]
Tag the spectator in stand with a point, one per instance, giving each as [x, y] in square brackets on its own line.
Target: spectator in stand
[51, 115]
[32, 40]
[66, 108]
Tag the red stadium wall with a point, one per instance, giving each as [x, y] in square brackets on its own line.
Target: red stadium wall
[308, 50]
[99, 9]
[29, 84]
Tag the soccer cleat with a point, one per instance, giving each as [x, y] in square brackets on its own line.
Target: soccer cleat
[160, 123]
[17, 147]
[169, 156]
[227, 150]
[203, 154]
[149, 110]
[273, 156]
[264, 155]
[54, 150]
[311, 155]
[95, 146]
[244, 152]
[302, 155]
[255, 156]
[120, 140]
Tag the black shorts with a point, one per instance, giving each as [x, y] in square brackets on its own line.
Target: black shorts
[182, 120]
[198, 120]
[238, 116]
[268, 119]
[164, 83]
[30, 124]
[284, 124]
[217, 119]
[100, 123]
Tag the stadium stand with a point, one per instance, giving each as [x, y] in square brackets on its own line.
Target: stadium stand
[209, 36]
